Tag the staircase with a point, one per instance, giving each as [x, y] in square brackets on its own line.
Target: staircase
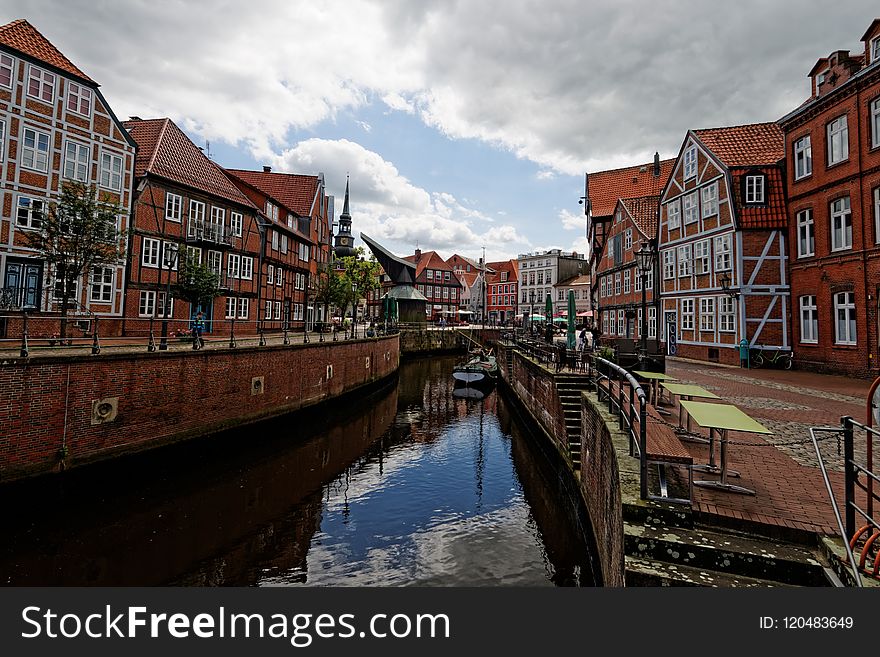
[569, 388]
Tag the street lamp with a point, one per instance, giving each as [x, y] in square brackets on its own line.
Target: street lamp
[725, 286]
[531, 309]
[644, 261]
[171, 259]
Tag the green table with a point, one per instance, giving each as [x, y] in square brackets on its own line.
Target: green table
[688, 391]
[723, 418]
[655, 378]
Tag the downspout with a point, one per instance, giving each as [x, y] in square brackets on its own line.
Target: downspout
[872, 353]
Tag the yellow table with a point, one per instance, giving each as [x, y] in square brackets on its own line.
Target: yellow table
[723, 418]
[688, 391]
[655, 378]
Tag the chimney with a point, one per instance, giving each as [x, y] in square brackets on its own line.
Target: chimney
[418, 254]
[656, 164]
[135, 118]
[267, 169]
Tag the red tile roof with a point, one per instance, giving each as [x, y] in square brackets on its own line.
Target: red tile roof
[630, 182]
[771, 216]
[467, 278]
[643, 211]
[745, 145]
[295, 191]
[581, 279]
[510, 266]
[428, 260]
[165, 151]
[24, 37]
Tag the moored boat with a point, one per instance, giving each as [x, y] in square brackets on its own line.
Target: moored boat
[481, 369]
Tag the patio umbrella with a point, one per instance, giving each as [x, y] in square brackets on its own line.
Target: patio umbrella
[537, 318]
[572, 312]
[548, 306]
[559, 320]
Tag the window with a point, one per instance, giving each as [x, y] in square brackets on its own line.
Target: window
[430, 291]
[277, 305]
[690, 208]
[541, 277]
[722, 253]
[268, 313]
[76, 161]
[147, 305]
[806, 234]
[838, 140]
[701, 257]
[194, 253]
[602, 288]
[627, 283]
[687, 314]
[809, 320]
[233, 265]
[2, 140]
[690, 162]
[617, 283]
[755, 189]
[173, 207]
[707, 314]
[235, 223]
[845, 312]
[710, 200]
[196, 227]
[218, 222]
[101, 284]
[820, 78]
[618, 216]
[621, 323]
[560, 295]
[79, 99]
[270, 273]
[274, 240]
[41, 84]
[637, 283]
[6, 67]
[803, 158]
[430, 274]
[875, 120]
[673, 214]
[271, 210]
[231, 303]
[169, 255]
[684, 260]
[668, 264]
[652, 322]
[35, 150]
[160, 305]
[445, 292]
[150, 252]
[446, 275]
[247, 267]
[283, 243]
[726, 315]
[841, 225]
[243, 308]
[215, 262]
[503, 276]
[649, 279]
[877, 214]
[628, 240]
[875, 49]
[29, 213]
[111, 171]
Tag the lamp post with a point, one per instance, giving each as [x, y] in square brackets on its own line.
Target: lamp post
[531, 309]
[725, 286]
[173, 258]
[644, 261]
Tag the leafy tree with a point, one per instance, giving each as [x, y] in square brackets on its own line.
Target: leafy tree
[77, 234]
[196, 283]
[328, 286]
[359, 277]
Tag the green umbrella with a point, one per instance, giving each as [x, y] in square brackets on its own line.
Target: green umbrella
[548, 306]
[572, 313]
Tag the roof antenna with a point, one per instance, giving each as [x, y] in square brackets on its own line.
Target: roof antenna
[208, 149]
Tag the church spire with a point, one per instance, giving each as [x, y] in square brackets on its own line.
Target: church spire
[344, 241]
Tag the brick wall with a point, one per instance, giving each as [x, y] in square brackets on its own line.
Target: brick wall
[536, 389]
[48, 419]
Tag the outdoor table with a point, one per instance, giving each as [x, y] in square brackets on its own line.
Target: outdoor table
[655, 378]
[722, 418]
[688, 391]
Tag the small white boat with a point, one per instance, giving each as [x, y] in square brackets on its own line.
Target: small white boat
[482, 369]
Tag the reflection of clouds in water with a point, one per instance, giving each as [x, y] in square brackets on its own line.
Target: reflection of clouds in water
[439, 555]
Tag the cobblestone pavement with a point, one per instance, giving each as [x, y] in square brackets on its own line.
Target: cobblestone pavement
[782, 468]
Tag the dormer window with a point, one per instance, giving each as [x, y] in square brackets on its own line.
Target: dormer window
[820, 78]
[875, 49]
[755, 186]
[690, 162]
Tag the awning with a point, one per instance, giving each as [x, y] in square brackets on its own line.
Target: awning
[586, 313]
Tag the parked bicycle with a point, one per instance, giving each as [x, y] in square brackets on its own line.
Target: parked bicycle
[773, 357]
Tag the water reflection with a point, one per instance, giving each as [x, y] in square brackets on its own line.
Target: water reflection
[414, 487]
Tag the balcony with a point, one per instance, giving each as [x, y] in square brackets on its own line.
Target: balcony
[204, 231]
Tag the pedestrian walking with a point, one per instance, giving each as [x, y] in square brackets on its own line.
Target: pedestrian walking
[198, 328]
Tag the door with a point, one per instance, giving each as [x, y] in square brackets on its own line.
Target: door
[21, 284]
[207, 309]
[671, 334]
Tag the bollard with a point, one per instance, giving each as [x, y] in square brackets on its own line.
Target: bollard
[96, 347]
[24, 337]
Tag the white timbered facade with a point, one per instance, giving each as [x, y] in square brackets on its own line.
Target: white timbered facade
[721, 245]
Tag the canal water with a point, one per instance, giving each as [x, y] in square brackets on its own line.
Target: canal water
[411, 485]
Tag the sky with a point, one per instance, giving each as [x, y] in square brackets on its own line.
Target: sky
[461, 124]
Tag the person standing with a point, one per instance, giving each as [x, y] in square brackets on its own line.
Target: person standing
[198, 329]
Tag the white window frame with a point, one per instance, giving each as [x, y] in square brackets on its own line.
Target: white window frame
[841, 224]
[236, 221]
[806, 233]
[685, 257]
[231, 307]
[244, 308]
[279, 276]
[709, 200]
[100, 284]
[44, 81]
[652, 322]
[277, 305]
[874, 110]
[602, 288]
[877, 215]
[34, 215]
[803, 157]
[270, 273]
[35, 158]
[845, 302]
[214, 261]
[691, 209]
[707, 314]
[151, 252]
[649, 279]
[690, 162]
[170, 255]
[687, 314]
[7, 64]
[809, 319]
[617, 283]
[756, 193]
[147, 303]
[628, 239]
[79, 99]
[233, 265]
[110, 178]
[837, 132]
[726, 314]
[668, 264]
[173, 207]
[673, 214]
[267, 311]
[723, 252]
[78, 164]
[627, 281]
[247, 268]
[637, 281]
[875, 49]
[2, 140]
[274, 240]
[621, 323]
[701, 257]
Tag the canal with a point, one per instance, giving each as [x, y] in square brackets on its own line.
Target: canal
[410, 485]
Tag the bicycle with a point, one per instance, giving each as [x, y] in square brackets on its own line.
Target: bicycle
[776, 357]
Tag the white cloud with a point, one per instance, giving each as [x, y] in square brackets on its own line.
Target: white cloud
[545, 174]
[366, 127]
[572, 221]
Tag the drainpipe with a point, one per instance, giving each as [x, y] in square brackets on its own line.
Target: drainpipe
[872, 353]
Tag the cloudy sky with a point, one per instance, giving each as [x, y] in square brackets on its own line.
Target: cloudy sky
[462, 124]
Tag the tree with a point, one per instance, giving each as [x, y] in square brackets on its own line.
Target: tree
[77, 234]
[196, 283]
[359, 276]
[328, 287]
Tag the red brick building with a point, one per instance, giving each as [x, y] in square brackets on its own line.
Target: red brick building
[55, 125]
[185, 205]
[296, 212]
[722, 244]
[502, 281]
[437, 281]
[832, 151]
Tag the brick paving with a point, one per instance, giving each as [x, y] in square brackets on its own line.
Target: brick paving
[790, 491]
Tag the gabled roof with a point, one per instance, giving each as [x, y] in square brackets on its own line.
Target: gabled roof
[428, 260]
[870, 29]
[744, 145]
[510, 266]
[769, 216]
[643, 211]
[295, 191]
[630, 182]
[25, 38]
[467, 278]
[455, 258]
[165, 151]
